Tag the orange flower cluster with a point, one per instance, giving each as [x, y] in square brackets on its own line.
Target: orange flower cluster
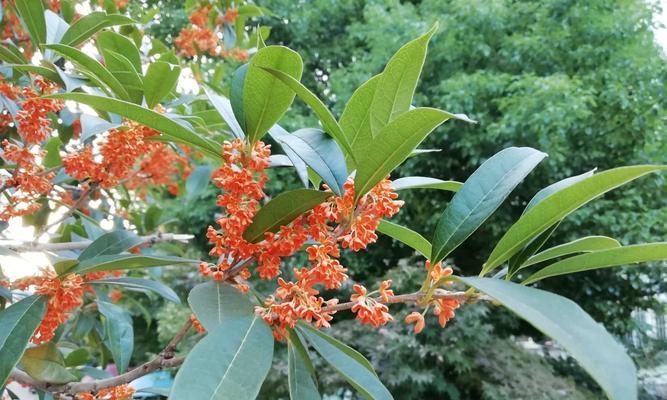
[369, 311]
[442, 308]
[196, 324]
[33, 124]
[200, 39]
[122, 392]
[119, 153]
[29, 179]
[65, 294]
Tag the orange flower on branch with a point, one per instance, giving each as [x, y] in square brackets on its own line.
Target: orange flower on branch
[230, 15]
[65, 294]
[369, 311]
[122, 392]
[199, 17]
[417, 319]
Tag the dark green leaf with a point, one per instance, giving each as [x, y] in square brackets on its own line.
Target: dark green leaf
[45, 363]
[265, 97]
[355, 121]
[18, 322]
[406, 236]
[321, 153]
[564, 321]
[130, 261]
[197, 181]
[32, 16]
[583, 245]
[634, 254]
[213, 302]
[88, 25]
[423, 182]
[231, 362]
[282, 210]
[560, 204]
[112, 41]
[114, 242]
[119, 334]
[481, 194]
[161, 79]
[348, 362]
[300, 378]
[142, 285]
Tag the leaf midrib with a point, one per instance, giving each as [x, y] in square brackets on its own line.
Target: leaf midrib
[231, 363]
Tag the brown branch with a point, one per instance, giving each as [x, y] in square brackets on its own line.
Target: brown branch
[462, 297]
[150, 240]
[166, 359]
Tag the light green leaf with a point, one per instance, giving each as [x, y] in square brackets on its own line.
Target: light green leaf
[481, 195]
[559, 205]
[130, 261]
[112, 41]
[327, 119]
[265, 97]
[92, 125]
[235, 104]
[114, 242]
[300, 379]
[231, 362]
[47, 72]
[354, 367]
[45, 363]
[555, 187]
[32, 16]
[55, 28]
[52, 147]
[398, 81]
[88, 25]
[123, 70]
[406, 236]
[564, 321]
[93, 67]
[355, 120]
[141, 285]
[278, 133]
[161, 78]
[11, 54]
[321, 153]
[213, 302]
[77, 357]
[423, 182]
[634, 254]
[393, 145]
[119, 334]
[18, 323]
[582, 245]
[170, 129]
[282, 210]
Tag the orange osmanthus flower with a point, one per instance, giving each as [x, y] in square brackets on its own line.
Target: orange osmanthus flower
[417, 319]
[122, 392]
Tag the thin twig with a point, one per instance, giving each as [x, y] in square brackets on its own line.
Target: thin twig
[150, 240]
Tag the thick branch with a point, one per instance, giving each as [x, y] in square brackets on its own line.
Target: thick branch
[150, 239]
[166, 359]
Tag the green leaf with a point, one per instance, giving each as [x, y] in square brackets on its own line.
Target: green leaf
[32, 16]
[92, 125]
[224, 108]
[356, 370]
[18, 323]
[52, 148]
[265, 97]
[299, 375]
[11, 54]
[582, 245]
[406, 236]
[231, 362]
[214, 302]
[282, 210]
[88, 25]
[141, 285]
[355, 120]
[55, 28]
[197, 181]
[47, 72]
[423, 182]
[564, 321]
[327, 119]
[112, 41]
[91, 65]
[393, 145]
[118, 332]
[77, 357]
[559, 205]
[481, 195]
[237, 117]
[152, 218]
[555, 187]
[45, 363]
[123, 261]
[161, 78]
[398, 81]
[638, 253]
[114, 242]
[170, 129]
[277, 132]
[123, 70]
[321, 153]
